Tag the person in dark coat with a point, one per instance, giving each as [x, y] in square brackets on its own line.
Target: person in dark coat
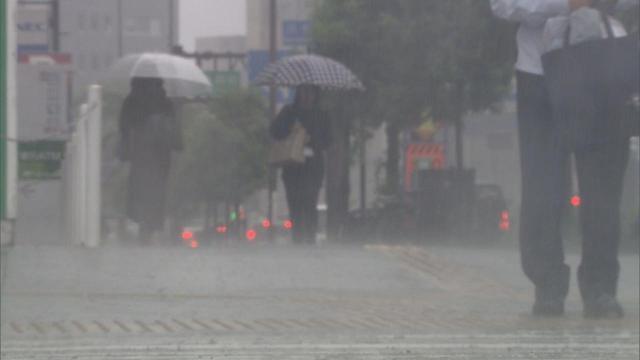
[302, 182]
[149, 133]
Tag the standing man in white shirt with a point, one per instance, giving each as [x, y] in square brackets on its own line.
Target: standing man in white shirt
[544, 164]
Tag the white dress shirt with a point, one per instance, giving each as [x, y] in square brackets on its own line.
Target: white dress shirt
[532, 15]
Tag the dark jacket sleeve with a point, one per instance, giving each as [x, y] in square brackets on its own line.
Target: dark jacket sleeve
[323, 139]
[176, 127]
[281, 126]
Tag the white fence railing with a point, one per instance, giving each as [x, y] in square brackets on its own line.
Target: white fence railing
[82, 173]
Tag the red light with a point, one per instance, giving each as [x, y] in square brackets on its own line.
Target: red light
[187, 235]
[504, 215]
[288, 224]
[576, 201]
[251, 234]
[222, 229]
[266, 223]
[504, 225]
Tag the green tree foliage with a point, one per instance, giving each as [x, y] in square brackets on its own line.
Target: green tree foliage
[224, 159]
[415, 56]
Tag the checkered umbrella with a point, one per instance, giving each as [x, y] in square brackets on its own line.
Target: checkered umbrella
[309, 70]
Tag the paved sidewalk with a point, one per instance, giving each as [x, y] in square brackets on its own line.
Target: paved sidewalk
[67, 297]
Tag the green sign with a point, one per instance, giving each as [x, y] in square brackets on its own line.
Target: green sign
[224, 81]
[3, 109]
[40, 160]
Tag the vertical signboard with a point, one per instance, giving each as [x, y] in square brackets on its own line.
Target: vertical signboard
[8, 130]
[3, 109]
[33, 25]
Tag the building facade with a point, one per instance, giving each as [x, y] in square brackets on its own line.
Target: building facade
[119, 27]
[96, 32]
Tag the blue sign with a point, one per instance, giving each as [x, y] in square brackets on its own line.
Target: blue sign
[32, 30]
[295, 32]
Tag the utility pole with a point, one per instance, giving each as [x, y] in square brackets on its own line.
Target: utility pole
[273, 57]
[55, 25]
[363, 166]
[119, 28]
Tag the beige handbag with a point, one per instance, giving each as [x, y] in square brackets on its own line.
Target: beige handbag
[290, 149]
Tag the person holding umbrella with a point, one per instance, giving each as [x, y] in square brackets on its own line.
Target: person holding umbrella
[149, 133]
[544, 152]
[309, 128]
[149, 129]
[302, 181]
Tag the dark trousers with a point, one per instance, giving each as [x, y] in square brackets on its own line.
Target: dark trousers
[545, 184]
[601, 171]
[302, 185]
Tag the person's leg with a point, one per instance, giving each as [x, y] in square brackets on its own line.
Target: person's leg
[292, 186]
[314, 194]
[600, 176]
[311, 213]
[544, 188]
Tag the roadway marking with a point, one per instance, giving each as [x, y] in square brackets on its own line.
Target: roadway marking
[80, 326]
[103, 327]
[59, 327]
[163, 325]
[224, 325]
[122, 326]
[39, 329]
[183, 324]
[16, 328]
[202, 324]
[447, 274]
[143, 326]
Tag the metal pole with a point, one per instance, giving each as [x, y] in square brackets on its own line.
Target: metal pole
[363, 166]
[94, 165]
[8, 123]
[172, 19]
[80, 178]
[119, 29]
[273, 56]
[55, 25]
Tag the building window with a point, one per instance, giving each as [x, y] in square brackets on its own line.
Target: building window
[108, 24]
[82, 62]
[95, 62]
[82, 21]
[108, 60]
[95, 22]
[142, 26]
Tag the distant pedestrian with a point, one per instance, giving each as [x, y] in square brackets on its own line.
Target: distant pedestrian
[302, 181]
[149, 133]
[544, 155]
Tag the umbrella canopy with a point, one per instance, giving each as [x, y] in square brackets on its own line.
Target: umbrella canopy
[182, 78]
[310, 70]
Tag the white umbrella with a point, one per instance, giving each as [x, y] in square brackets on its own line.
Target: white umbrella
[182, 78]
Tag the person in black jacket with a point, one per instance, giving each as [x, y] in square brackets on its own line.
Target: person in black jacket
[149, 133]
[302, 182]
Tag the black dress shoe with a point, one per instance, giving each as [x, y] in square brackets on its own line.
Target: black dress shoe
[548, 308]
[603, 307]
